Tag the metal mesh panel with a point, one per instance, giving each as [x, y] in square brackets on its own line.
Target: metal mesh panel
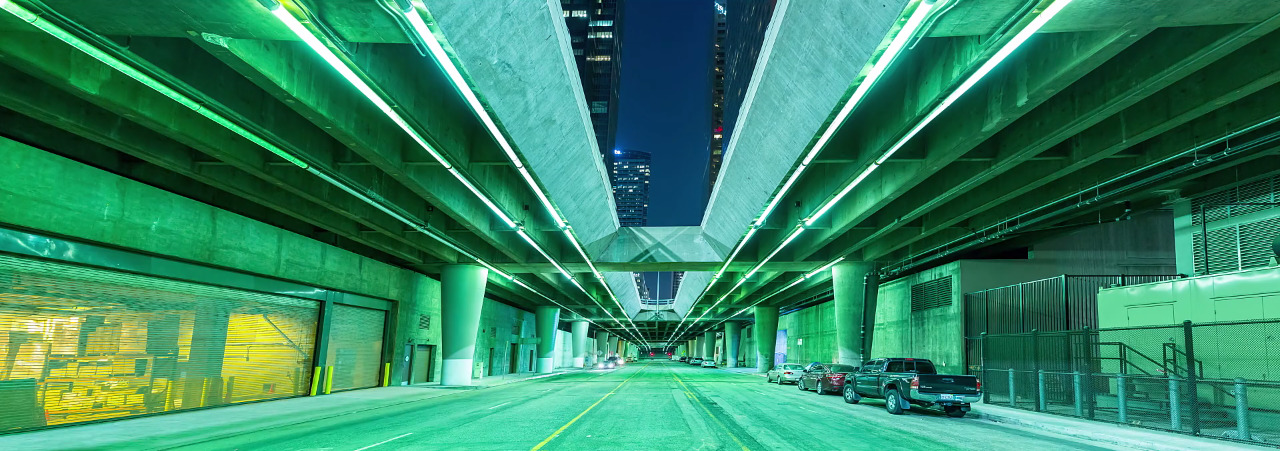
[80, 344]
[1213, 379]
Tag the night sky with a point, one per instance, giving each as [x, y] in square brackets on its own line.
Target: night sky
[665, 102]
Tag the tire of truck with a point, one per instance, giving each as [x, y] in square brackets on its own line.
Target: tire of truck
[954, 411]
[893, 402]
[851, 396]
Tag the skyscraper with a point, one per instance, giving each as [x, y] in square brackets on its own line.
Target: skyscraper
[717, 95]
[595, 32]
[630, 177]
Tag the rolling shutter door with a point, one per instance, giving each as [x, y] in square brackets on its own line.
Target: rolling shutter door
[355, 347]
[80, 344]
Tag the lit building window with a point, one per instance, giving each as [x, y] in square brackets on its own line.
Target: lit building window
[599, 58]
[601, 23]
[600, 35]
[578, 13]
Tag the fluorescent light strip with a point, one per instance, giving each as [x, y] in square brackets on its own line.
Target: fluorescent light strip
[286, 17]
[538, 248]
[123, 67]
[844, 192]
[487, 202]
[891, 53]
[986, 68]
[442, 58]
[823, 268]
[785, 242]
[542, 198]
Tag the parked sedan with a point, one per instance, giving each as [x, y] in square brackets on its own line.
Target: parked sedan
[787, 372]
[695, 361]
[708, 363]
[824, 377]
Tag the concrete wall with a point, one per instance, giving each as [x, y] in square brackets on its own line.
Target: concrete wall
[57, 196]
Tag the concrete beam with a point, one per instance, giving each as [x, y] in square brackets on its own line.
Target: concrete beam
[545, 114]
[1107, 103]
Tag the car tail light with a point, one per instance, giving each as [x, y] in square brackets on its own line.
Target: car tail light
[978, 387]
[915, 383]
[786, 372]
[836, 377]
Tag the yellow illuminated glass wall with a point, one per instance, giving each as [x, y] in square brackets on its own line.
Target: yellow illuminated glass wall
[80, 344]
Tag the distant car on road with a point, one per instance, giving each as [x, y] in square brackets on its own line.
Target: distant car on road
[609, 363]
[708, 363]
[684, 359]
[905, 381]
[824, 377]
[787, 372]
[695, 361]
[631, 359]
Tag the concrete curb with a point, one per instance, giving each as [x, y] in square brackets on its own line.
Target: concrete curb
[1106, 433]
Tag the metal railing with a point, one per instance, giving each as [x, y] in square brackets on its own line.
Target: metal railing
[1213, 379]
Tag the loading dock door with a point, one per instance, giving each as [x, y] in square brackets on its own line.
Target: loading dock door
[355, 347]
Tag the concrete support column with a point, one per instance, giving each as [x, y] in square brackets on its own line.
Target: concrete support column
[546, 319]
[579, 332]
[732, 338]
[709, 345]
[461, 298]
[699, 347]
[602, 346]
[766, 334]
[849, 284]
[613, 346]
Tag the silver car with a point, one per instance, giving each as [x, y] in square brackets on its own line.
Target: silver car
[787, 372]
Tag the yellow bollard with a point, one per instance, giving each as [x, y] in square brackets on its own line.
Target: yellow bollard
[386, 374]
[315, 381]
[328, 379]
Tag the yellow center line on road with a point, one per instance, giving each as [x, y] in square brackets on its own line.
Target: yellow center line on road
[690, 394]
[584, 412]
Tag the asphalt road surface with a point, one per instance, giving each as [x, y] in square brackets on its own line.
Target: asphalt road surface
[659, 405]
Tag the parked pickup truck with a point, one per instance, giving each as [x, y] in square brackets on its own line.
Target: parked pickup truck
[902, 382]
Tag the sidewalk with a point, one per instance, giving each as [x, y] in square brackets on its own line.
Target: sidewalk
[186, 428]
[1108, 433]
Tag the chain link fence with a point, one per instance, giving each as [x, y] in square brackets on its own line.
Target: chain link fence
[1210, 379]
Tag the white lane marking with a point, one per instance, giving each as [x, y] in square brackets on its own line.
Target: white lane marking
[494, 407]
[385, 441]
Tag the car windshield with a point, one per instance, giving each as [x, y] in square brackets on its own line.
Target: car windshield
[842, 368]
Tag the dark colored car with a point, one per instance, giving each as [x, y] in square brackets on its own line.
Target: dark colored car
[684, 359]
[902, 382]
[824, 377]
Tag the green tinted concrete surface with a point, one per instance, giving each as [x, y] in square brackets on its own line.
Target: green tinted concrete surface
[658, 405]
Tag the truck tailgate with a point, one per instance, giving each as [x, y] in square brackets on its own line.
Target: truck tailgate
[948, 383]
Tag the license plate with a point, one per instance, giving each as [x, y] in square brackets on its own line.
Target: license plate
[947, 397]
